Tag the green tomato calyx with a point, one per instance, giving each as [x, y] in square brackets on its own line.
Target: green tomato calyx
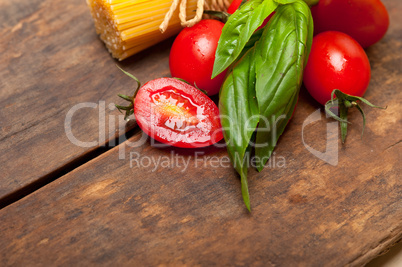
[343, 102]
[129, 109]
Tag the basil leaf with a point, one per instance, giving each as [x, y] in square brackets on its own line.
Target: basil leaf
[238, 109]
[308, 2]
[285, 2]
[250, 43]
[281, 55]
[238, 30]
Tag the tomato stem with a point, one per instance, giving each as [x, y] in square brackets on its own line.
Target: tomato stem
[343, 113]
[129, 109]
[343, 102]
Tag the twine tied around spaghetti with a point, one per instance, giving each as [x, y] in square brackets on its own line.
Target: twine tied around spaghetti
[217, 5]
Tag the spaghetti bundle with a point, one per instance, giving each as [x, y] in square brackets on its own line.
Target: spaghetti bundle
[129, 26]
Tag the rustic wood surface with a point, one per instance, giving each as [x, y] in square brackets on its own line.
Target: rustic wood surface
[309, 213]
[106, 211]
[51, 59]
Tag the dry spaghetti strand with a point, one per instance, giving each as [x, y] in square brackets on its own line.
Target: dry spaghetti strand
[130, 26]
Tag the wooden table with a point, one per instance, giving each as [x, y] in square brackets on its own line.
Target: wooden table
[68, 204]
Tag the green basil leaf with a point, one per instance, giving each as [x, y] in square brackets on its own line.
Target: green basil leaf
[308, 2]
[238, 109]
[281, 55]
[285, 2]
[250, 44]
[238, 30]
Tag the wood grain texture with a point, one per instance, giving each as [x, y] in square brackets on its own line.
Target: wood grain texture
[308, 213]
[51, 60]
[305, 212]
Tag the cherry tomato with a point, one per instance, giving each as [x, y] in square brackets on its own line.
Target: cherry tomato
[365, 20]
[176, 113]
[193, 54]
[336, 61]
[234, 6]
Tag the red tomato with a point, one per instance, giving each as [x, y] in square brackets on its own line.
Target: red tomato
[336, 61]
[193, 54]
[234, 6]
[365, 20]
[176, 113]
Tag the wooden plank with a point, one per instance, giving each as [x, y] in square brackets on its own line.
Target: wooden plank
[105, 212]
[51, 60]
[309, 213]
[305, 212]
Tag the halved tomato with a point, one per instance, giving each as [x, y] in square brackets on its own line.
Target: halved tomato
[176, 113]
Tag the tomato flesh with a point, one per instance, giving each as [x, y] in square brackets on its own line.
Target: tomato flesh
[176, 113]
[336, 61]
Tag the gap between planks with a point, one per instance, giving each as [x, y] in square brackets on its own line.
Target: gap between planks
[70, 166]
